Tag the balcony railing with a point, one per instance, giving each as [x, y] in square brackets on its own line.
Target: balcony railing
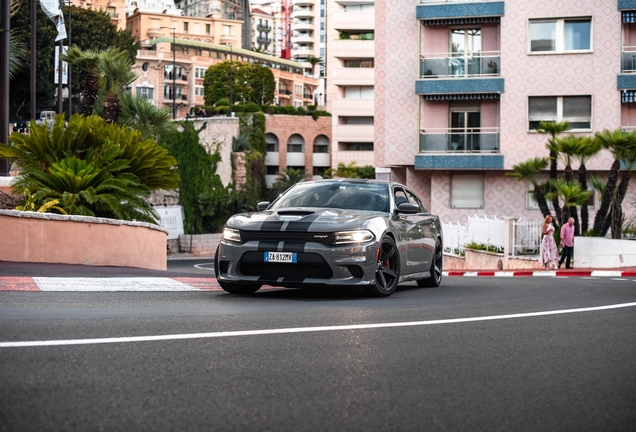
[628, 59]
[308, 95]
[284, 92]
[485, 140]
[263, 28]
[178, 77]
[460, 65]
[263, 39]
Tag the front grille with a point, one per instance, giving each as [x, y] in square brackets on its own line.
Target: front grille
[308, 265]
[324, 238]
[292, 271]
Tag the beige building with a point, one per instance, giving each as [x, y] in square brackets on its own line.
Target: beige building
[115, 8]
[350, 80]
[262, 24]
[175, 78]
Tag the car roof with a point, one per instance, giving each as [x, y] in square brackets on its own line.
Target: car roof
[356, 180]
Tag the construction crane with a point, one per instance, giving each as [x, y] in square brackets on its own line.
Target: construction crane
[286, 20]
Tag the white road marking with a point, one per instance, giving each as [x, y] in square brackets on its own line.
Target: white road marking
[204, 268]
[303, 329]
[111, 284]
[623, 279]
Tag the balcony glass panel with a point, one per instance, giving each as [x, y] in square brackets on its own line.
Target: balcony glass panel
[451, 66]
[628, 60]
[460, 141]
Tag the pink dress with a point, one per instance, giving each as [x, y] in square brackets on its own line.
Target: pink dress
[549, 252]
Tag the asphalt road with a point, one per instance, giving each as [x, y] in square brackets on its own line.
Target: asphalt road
[569, 371]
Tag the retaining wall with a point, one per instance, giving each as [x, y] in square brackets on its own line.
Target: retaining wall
[52, 238]
[598, 252]
[202, 244]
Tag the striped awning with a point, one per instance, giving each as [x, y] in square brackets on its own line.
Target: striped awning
[456, 21]
[460, 96]
[629, 17]
[628, 96]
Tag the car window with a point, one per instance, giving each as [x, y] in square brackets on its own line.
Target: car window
[415, 200]
[342, 195]
[400, 197]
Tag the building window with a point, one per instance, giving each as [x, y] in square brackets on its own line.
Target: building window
[295, 144]
[145, 66]
[271, 169]
[356, 146]
[145, 92]
[112, 12]
[185, 26]
[321, 144]
[560, 35]
[358, 92]
[207, 29]
[198, 91]
[227, 30]
[467, 191]
[575, 109]
[199, 72]
[366, 63]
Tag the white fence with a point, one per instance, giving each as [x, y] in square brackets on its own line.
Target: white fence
[525, 235]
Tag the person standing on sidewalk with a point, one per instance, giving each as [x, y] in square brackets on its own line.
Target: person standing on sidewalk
[567, 243]
[549, 253]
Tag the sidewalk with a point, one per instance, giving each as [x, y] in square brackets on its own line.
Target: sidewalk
[35, 277]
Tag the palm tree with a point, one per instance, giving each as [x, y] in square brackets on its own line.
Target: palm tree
[289, 177]
[572, 196]
[141, 114]
[18, 49]
[553, 129]
[116, 75]
[590, 149]
[85, 60]
[349, 170]
[314, 61]
[529, 170]
[618, 142]
[615, 221]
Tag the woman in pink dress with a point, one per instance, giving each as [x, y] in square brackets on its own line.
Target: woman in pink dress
[549, 252]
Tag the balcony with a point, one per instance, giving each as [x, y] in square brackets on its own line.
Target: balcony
[302, 52]
[454, 9]
[353, 133]
[321, 159]
[628, 59]
[354, 21]
[474, 140]
[303, 13]
[284, 93]
[358, 107]
[272, 158]
[354, 48]
[361, 158]
[263, 40]
[301, 38]
[295, 159]
[178, 77]
[460, 65]
[353, 76]
[302, 25]
[263, 28]
[303, 2]
[308, 96]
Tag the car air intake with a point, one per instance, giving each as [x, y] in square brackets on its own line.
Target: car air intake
[356, 271]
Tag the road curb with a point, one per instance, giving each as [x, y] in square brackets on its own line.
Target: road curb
[542, 273]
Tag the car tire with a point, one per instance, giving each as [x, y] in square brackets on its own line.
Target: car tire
[436, 268]
[387, 275]
[232, 288]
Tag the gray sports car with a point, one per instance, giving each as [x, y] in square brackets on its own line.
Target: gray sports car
[365, 234]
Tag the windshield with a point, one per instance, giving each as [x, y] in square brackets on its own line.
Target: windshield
[337, 194]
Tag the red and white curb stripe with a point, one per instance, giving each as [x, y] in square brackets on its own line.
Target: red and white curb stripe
[165, 284]
[544, 273]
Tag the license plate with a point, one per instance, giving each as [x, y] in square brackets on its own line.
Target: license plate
[280, 257]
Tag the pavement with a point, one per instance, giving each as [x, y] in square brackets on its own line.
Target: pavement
[20, 276]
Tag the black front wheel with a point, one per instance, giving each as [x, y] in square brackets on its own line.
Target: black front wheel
[436, 268]
[387, 274]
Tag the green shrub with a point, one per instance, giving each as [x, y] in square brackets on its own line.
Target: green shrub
[319, 113]
[222, 110]
[312, 107]
[301, 110]
[252, 107]
[222, 102]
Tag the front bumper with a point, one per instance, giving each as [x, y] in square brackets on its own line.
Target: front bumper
[341, 265]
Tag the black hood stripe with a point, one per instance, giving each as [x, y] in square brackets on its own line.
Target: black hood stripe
[304, 224]
[268, 246]
[294, 247]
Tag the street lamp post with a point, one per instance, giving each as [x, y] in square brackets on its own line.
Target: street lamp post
[229, 114]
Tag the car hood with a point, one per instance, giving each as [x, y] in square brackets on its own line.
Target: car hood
[306, 219]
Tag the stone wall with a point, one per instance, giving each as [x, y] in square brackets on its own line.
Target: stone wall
[203, 245]
[52, 238]
[219, 130]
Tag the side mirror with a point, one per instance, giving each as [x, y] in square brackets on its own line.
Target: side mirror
[261, 206]
[408, 208]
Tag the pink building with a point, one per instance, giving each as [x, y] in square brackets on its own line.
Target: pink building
[460, 87]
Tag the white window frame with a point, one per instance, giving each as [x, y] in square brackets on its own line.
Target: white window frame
[461, 181]
[560, 35]
[559, 112]
[199, 91]
[199, 72]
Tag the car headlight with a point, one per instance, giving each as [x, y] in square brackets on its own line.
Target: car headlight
[232, 234]
[360, 236]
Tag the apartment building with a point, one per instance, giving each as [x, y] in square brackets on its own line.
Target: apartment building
[305, 27]
[262, 24]
[350, 80]
[116, 9]
[461, 86]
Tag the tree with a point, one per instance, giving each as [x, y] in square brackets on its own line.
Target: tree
[590, 149]
[314, 61]
[289, 177]
[143, 115]
[250, 83]
[529, 170]
[553, 129]
[91, 168]
[91, 30]
[18, 48]
[349, 170]
[571, 194]
[618, 142]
